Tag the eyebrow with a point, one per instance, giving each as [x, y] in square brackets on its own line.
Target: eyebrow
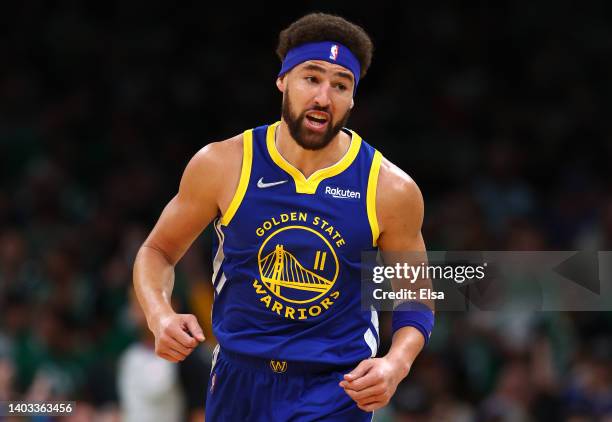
[323, 70]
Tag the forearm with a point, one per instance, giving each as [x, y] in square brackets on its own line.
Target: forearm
[406, 344]
[153, 282]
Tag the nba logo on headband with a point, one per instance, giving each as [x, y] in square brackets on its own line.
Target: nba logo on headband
[324, 50]
[333, 52]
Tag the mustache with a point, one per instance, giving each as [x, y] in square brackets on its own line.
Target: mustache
[318, 108]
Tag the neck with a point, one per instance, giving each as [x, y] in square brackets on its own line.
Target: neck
[308, 161]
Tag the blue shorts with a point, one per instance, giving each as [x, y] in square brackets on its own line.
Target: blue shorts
[244, 388]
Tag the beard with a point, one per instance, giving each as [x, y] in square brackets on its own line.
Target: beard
[304, 137]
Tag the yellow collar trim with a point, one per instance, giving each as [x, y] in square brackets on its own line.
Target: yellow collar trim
[309, 185]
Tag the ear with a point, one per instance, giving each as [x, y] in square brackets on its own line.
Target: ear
[280, 83]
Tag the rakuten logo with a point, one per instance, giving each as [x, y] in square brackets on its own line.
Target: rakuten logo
[342, 193]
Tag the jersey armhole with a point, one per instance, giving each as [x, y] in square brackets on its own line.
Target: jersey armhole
[371, 196]
[245, 175]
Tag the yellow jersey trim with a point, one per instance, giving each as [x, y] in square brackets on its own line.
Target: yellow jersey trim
[245, 175]
[371, 196]
[309, 185]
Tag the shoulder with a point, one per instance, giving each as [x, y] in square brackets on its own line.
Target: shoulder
[398, 197]
[397, 187]
[213, 167]
[216, 155]
[216, 158]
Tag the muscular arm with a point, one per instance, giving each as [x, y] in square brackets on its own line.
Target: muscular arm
[401, 214]
[399, 206]
[203, 194]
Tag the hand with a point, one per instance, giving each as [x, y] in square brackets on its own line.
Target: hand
[176, 336]
[373, 382]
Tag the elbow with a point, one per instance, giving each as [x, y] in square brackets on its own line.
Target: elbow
[148, 249]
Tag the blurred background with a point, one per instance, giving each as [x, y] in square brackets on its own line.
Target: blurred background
[497, 111]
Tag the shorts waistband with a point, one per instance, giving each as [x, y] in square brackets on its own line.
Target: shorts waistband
[283, 366]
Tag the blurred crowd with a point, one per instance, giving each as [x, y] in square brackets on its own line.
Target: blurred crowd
[497, 112]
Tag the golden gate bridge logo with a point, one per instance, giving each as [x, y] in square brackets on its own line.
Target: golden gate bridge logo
[297, 280]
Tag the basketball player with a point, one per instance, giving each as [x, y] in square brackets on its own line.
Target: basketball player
[294, 204]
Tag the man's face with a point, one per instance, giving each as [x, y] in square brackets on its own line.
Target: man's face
[317, 100]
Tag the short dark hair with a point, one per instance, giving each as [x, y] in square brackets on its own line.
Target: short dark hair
[316, 27]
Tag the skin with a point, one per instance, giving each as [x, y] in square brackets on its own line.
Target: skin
[205, 192]
[399, 206]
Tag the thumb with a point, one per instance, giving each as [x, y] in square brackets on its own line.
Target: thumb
[194, 328]
[361, 369]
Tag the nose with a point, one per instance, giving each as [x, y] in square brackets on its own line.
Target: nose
[322, 97]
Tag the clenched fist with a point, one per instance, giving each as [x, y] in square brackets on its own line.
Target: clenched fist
[176, 336]
[373, 382]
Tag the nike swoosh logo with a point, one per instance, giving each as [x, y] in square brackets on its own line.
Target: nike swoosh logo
[261, 184]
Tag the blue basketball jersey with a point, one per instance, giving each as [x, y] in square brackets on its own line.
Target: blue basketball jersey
[287, 258]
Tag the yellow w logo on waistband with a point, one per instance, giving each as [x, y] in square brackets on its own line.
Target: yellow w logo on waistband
[278, 366]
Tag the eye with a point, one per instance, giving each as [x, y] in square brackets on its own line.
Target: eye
[312, 79]
[341, 87]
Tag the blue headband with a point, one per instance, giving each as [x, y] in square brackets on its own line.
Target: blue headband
[328, 51]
